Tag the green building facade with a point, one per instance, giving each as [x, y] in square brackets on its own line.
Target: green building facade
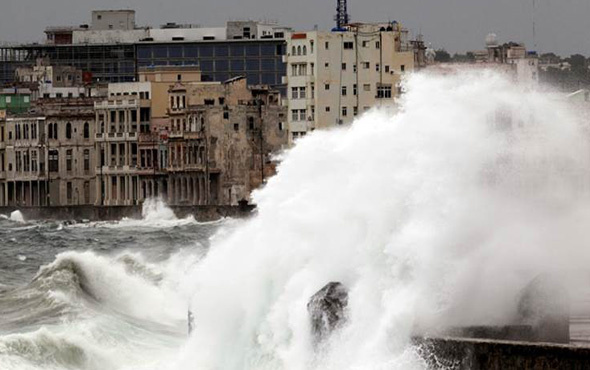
[15, 103]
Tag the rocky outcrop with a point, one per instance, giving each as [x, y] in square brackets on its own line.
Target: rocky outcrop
[327, 309]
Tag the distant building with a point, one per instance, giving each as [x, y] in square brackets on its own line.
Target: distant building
[241, 48]
[15, 100]
[334, 76]
[510, 58]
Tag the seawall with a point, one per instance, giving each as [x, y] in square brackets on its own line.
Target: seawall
[485, 354]
[112, 213]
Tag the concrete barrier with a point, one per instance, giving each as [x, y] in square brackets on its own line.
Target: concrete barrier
[112, 213]
[485, 354]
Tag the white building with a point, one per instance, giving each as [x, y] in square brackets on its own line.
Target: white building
[334, 76]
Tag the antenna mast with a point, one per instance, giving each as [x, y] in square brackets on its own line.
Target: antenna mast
[535, 24]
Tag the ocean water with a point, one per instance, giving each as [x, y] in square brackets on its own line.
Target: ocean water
[97, 295]
[435, 216]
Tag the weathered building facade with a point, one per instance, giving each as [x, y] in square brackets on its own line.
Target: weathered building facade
[334, 76]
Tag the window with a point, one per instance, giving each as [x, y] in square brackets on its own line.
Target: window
[327, 109]
[377, 45]
[327, 65]
[326, 86]
[53, 161]
[69, 191]
[293, 69]
[327, 45]
[34, 161]
[344, 111]
[299, 50]
[87, 130]
[251, 123]
[377, 67]
[403, 68]
[68, 130]
[298, 93]
[311, 46]
[386, 69]
[302, 69]
[69, 160]
[354, 69]
[366, 65]
[298, 114]
[293, 50]
[354, 89]
[348, 45]
[343, 90]
[384, 91]
[236, 126]
[344, 66]
[355, 110]
[367, 87]
[304, 50]
[86, 160]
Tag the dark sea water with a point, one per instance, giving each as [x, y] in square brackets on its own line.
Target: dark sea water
[101, 295]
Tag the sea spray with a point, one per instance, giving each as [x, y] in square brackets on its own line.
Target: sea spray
[436, 216]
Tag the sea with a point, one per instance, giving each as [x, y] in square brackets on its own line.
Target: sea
[435, 214]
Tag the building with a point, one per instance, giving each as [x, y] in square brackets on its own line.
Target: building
[221, 139]
[334, 76]
[68, 139]
[23, 174]
[241, 48]
[15, 100]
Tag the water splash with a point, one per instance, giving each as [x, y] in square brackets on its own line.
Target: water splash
[432, 217]
[17, 216]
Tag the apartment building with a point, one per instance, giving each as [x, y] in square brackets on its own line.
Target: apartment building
[221, 139]
[332, 77]
[23, 177]
[68, 139]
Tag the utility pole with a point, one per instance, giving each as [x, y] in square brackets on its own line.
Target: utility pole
[261, 142]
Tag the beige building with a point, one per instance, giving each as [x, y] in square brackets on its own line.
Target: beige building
[23, 174]
[220, 141]
[334, 76]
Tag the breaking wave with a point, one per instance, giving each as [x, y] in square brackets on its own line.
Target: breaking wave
[435, 216]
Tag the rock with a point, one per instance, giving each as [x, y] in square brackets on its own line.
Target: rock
[327, 309]
[544, 304]
[191, 322]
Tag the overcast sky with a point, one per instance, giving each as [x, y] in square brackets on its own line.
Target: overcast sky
[563, 26]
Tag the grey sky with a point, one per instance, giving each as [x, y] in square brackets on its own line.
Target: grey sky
[563, 26]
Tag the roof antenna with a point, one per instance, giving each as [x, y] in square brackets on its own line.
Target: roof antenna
[535, 24]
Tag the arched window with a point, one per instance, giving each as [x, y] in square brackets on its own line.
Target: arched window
[298, 50]
[55, 131]
[293, 51]
[68, 130]
[86, 130]
[304, 50]
[50, 131]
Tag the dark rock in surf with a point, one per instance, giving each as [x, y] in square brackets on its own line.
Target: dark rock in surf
[544, 305]
[327, 309]
[191, 322]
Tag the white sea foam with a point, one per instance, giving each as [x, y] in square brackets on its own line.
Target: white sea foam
[17, 216]
[435, 216]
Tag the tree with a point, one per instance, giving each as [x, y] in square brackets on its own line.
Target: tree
[442, 56]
